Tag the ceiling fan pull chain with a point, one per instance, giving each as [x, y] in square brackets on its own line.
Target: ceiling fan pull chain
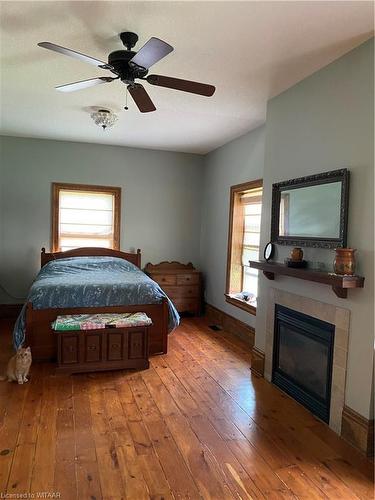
[126, 100]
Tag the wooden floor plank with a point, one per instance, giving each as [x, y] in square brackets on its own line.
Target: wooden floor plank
[44, 460]
[223, 425]
[268, 449]
[352, 456]
[178, 475]
[22, 465]
[152, 470]
[259, 471]
[294, 450]
[300, 484]
[111, 480]
[14, 402]
[130, 468]
[277, 446]
[200, 459]
[232, 471]
[289, 449]
[354, 479]
[87, 470]
[65, 480]
[195, 425]
[203, 423]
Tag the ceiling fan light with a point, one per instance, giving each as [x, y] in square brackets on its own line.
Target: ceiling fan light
[104, 118]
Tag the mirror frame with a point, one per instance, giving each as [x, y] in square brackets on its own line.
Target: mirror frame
[341, 175]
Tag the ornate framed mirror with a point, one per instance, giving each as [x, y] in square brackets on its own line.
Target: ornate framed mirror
[311, 211]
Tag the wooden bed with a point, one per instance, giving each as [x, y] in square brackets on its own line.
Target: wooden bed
[42, 339]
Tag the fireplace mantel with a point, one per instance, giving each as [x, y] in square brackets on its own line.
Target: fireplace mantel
[339, 284]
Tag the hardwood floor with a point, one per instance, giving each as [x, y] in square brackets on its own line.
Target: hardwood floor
[195, 425]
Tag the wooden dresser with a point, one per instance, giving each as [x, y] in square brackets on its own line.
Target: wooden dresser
[181, 282]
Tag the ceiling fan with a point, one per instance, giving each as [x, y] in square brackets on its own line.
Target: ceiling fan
[128, 66]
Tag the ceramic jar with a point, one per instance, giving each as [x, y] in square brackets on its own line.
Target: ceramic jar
[344, 262]
[296, 254]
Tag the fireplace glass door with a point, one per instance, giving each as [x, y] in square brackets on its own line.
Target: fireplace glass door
[302, 362]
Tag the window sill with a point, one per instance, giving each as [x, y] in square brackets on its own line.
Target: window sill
[242, 304]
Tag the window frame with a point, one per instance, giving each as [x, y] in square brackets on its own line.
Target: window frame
[235, 192]
[90, 188]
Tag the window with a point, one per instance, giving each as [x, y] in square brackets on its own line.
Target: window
[85, 216]
[243, 244]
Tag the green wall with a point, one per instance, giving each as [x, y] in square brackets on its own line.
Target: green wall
[323, 123]
[161, 197]
[238, 161]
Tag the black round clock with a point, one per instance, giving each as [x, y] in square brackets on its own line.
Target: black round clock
[268, 251]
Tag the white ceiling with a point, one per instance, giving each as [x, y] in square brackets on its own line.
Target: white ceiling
[251, 51]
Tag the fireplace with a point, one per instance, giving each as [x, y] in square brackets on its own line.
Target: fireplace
[303, 359]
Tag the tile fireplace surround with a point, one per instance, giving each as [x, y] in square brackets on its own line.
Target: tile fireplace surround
[338, 317]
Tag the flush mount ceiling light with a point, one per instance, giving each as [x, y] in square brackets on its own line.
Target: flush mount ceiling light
[104, 118]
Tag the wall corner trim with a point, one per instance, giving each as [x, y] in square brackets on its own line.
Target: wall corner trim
[358, 431]
[230, 324]
[257, 362]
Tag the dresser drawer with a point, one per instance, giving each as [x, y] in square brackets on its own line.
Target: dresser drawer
[182, 291]
[186, 304]
[187, 279]
[164, 279]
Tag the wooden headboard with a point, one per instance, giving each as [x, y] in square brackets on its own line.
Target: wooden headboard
[134, 258]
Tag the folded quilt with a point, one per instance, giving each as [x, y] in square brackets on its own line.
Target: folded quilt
[99, 321]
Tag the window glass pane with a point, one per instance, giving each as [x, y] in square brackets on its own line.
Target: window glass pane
[250, 280]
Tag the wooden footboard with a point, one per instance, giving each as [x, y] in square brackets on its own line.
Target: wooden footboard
[43, 340]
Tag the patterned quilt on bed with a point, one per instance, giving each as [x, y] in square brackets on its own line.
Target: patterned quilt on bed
[91, 282]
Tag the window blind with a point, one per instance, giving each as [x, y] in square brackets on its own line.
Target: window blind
[251, 202]
[86, 219]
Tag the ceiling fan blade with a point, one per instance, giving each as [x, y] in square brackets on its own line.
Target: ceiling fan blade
[76, 55]
[184, 85]
[151, 52]
[84, 84]
[141, 98]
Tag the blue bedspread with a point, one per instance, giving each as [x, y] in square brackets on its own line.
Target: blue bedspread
[91, 282]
